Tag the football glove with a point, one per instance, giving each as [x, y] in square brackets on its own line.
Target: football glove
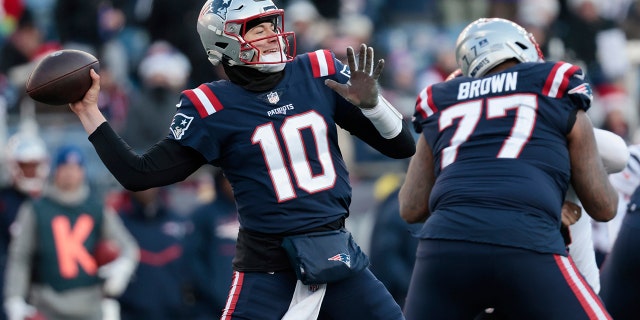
[18, 309]
[116, 275]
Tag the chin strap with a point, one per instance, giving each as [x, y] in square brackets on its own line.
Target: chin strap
[385, 118]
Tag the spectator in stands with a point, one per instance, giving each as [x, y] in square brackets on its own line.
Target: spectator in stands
[18, 56]
[310, 27]
[10, 11]
[172, 21]
[595, 42]
[164, 73]
[539, 17]
[22, 45]
[93, 26]
[114, 97]
[631, 24]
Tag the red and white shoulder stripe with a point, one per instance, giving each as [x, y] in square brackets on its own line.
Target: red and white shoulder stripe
[558, 79]
[322, 63]
[204, 100]
[424, 104]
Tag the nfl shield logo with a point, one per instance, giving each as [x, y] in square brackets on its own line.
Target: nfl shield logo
[273, 97]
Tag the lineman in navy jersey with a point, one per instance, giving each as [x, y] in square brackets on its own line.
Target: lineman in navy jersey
[273, 130]
[619, 276]
[499, 147]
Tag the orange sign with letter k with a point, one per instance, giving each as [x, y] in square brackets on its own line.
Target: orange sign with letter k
[70, 247]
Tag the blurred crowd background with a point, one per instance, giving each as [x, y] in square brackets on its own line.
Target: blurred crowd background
[149, 52]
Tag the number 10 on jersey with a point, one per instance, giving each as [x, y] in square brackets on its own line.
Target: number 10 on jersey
[275, 156]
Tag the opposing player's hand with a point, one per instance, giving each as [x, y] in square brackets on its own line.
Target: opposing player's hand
[362, 88]
[90, 98]
[571, 213]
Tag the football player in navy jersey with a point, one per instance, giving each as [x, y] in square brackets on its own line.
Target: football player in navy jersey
[272, 128]
[500, 146]
[619, 276]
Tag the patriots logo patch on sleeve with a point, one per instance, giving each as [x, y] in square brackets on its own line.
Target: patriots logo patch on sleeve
[180, 124]
[584, 89]
[342, 257]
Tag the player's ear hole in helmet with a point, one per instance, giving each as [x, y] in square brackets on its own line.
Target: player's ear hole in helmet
[487, 42]
[223, 24]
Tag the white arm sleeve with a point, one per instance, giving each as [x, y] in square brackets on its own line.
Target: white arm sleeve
[385, 118]
[582, 251]
[613, 150]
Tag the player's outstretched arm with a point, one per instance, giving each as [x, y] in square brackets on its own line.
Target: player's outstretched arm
[415, 191]
[164, 163]
[87, 109]
[588, 175]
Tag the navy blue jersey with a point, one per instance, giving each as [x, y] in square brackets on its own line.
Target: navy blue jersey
[278, 149]
[10, 201]
[500, 154]
[619, 276]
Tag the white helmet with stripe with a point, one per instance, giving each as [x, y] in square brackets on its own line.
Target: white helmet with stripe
[28, 162]
[223, 23]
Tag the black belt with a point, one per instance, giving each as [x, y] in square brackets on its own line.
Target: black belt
[261, 252]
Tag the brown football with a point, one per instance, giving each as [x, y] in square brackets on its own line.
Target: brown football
[62, 77]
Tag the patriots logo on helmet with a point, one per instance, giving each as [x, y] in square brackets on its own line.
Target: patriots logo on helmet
[180, 124]
[342, 257]
[219, 7]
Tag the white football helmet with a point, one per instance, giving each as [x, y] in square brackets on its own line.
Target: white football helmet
[487, 42]
[223, 23]
[28, 162]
